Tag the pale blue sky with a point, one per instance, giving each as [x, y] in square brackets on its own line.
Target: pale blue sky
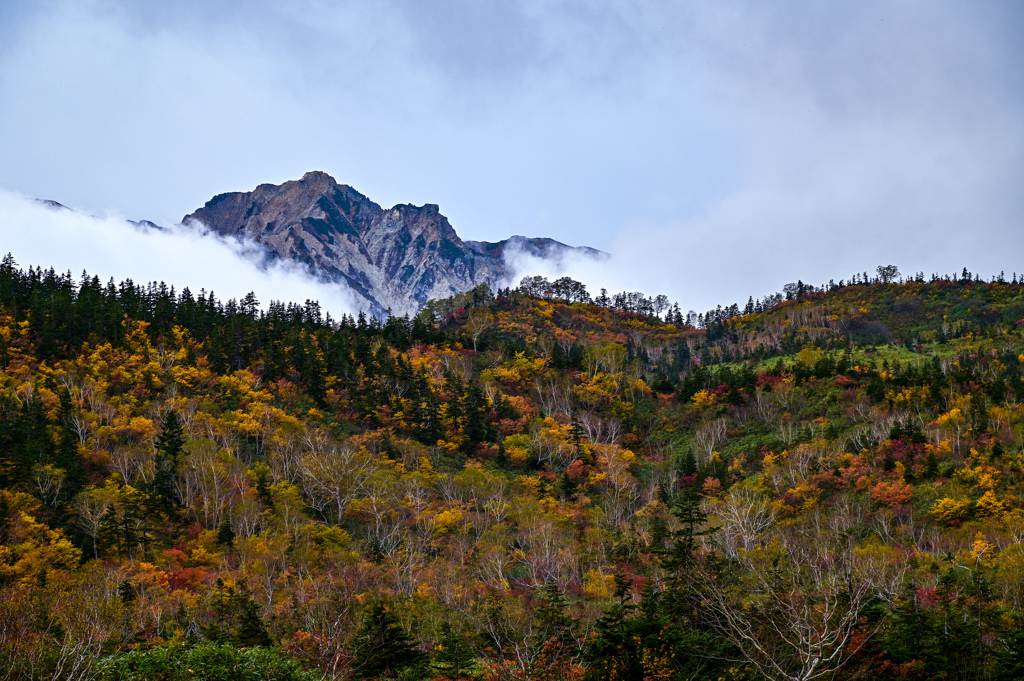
[719, 148]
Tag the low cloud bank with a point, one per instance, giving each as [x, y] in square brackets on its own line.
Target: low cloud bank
[40, 234]
[596, 271]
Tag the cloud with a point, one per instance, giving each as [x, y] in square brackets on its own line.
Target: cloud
[862, 135]
[41, 235]
[575, 263]
[719, 148]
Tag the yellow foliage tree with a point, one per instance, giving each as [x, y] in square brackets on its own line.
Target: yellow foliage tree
[31, 547]
[949, 511]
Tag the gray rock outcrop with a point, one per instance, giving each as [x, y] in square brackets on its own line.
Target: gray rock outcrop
[397, 258]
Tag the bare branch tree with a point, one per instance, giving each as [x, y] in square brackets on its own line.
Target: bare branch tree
[333, 477]
[797, 603]
[477, 323]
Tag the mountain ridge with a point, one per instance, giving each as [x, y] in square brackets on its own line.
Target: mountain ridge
[396, 259]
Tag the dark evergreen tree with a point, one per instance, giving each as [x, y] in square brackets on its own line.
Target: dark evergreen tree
[613, 652]
[1009, 653]
[126, 592]
[383, 646]
[475, 408]
[66, 454]
[168, 452]
[555, 627]
[552, 617]
[688, 465]
[236, 618]
[455, 657]
[225, 535]
[263, 484]
[951, 637]
[566, 485]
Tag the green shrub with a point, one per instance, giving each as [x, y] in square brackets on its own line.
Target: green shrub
[205, 662]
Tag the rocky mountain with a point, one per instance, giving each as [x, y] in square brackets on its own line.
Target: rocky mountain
[396, 258]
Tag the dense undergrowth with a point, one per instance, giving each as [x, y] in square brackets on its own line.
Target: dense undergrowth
[510, 487]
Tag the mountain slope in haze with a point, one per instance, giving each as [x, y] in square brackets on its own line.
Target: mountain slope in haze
[397, 258]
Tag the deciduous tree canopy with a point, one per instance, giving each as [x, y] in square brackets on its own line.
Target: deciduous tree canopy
[521, 484]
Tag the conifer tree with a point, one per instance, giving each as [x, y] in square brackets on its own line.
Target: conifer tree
[554, 621]
[382, 645]
[168, 451]
[225, 535]
[566, 485]
[236, 618]
[66, 457]
[454, 659]
[475, 408]
[1009, 656]
[612, 652]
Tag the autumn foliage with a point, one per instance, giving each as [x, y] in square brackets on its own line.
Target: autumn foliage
[511, 486]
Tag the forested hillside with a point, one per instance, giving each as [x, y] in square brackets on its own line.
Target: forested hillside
[522, 484]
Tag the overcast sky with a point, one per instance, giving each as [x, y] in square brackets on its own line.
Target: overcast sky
[718, 149]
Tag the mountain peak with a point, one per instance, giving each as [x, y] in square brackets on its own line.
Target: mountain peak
[318, 177]
[395, 259]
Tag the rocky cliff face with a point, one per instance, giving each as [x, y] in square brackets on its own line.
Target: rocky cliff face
[397, 258]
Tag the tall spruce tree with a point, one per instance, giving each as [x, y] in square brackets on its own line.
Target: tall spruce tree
[168, 452]
[66, 455]
[454, 658]
[382, 646]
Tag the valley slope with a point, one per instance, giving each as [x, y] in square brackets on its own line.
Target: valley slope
[513, 486]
